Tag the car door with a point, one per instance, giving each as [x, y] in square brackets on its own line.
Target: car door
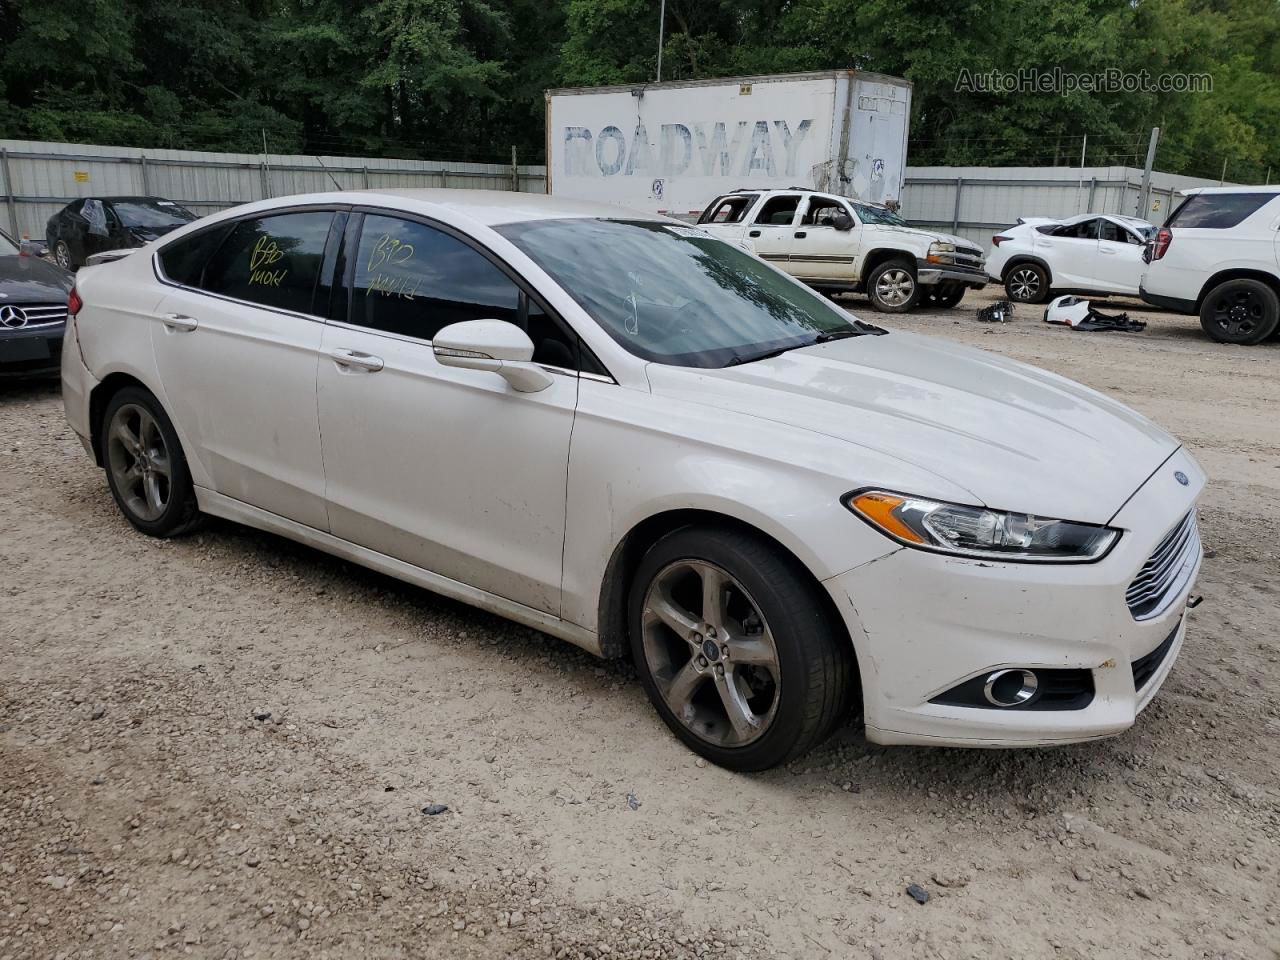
[818, 250]
[448, 469]
[726, 216]
[237, 341]
[1071, 251]
[772, 226]
[1119, 264]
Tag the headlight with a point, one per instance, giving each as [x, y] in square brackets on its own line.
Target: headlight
[978, 532]
[941, 253]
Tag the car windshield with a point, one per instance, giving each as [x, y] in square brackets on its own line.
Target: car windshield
[7, 249]
[151, 213]
[869, 214]
[674, 294]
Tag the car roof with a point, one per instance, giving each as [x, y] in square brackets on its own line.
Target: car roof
[492, 207]
[1191, 191]
[127, 199]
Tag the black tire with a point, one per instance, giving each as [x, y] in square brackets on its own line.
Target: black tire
[177, 512]
[62, 255]
[1244, 312]
[942, 297]
[1027, 282]
[817, 683]
[898, 275]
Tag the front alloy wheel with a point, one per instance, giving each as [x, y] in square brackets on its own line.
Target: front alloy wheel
[710, 653]
[62, 255]
[738, 647]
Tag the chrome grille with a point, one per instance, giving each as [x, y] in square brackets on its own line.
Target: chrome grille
[1166, 572]
[24, 315]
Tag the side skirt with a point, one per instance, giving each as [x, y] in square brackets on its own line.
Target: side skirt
[239, 512]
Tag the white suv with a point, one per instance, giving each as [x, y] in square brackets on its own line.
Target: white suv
[838, 244]
[1092, 253]
[1219, 256]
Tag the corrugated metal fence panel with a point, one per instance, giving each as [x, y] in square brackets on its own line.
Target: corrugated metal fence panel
[46, 176]
[974, 202]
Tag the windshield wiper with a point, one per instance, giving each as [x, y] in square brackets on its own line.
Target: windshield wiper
[764, 355]
[825, 337]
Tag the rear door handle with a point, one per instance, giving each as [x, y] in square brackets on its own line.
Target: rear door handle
[179, 321]
[753, 233]
[1109, 252]
[354, 358]
[801, 235]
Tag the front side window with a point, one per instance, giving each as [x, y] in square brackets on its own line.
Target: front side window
[674, 294]
[778, 211]
[822, 212]
[1218, 211]
[413, 279]
[272, 261]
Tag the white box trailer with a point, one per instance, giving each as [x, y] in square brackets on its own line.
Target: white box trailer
[673, 147]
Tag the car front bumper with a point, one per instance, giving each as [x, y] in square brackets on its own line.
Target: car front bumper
[923, 623]
[928, 274]
[31, 351]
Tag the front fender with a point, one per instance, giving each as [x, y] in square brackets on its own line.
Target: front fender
[636, 455]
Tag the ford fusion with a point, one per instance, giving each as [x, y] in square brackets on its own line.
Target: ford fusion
[624, 432]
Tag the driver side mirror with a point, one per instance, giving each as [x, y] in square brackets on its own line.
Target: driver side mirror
[842, 221]
[493, 345]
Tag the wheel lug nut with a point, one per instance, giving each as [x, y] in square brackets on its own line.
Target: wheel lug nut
[719, 670]
[702, 661]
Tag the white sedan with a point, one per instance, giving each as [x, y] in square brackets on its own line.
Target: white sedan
[1093, 253]
[622, 431]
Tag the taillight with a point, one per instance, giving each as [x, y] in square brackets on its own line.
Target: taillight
[74, 303]
[1163, 238]
[998, 239]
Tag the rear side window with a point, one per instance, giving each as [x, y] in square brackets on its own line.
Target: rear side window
[1115, 233]
[272, 261]
[1218, 211]
[1084, 230]
[731, 209]
[779, 211]
[183, 260]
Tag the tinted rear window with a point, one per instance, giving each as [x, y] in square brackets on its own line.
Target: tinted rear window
[1218, 211]
[151, 213]
[273, 261]
[183, 261]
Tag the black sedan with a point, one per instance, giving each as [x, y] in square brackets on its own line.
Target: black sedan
[33, 313]
[94, 224]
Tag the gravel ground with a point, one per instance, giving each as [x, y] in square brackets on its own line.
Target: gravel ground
[224, 745]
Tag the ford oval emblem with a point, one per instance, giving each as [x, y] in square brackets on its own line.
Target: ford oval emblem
[1181, 477]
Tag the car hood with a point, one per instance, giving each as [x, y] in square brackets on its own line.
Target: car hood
[932, 236]
[1016, 437]
[32, 280]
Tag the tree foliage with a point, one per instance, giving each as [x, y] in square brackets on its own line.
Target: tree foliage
[464, 78]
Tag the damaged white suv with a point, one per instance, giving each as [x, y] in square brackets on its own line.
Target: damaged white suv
[837, 244]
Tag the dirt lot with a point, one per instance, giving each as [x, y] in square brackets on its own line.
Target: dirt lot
[222, 746]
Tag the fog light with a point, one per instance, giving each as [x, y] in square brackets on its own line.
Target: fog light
[1010, 688]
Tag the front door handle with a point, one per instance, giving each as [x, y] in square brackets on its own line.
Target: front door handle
[1109, 252]
[354, 358]
[179, 321]
[801, 235]
[754, 233]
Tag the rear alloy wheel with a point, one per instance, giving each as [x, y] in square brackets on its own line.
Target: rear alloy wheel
[146, 470]
[62, 255]
[942, 297]
[1243, 312]
[892, 287]
[735, 649]
[1027, 283]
